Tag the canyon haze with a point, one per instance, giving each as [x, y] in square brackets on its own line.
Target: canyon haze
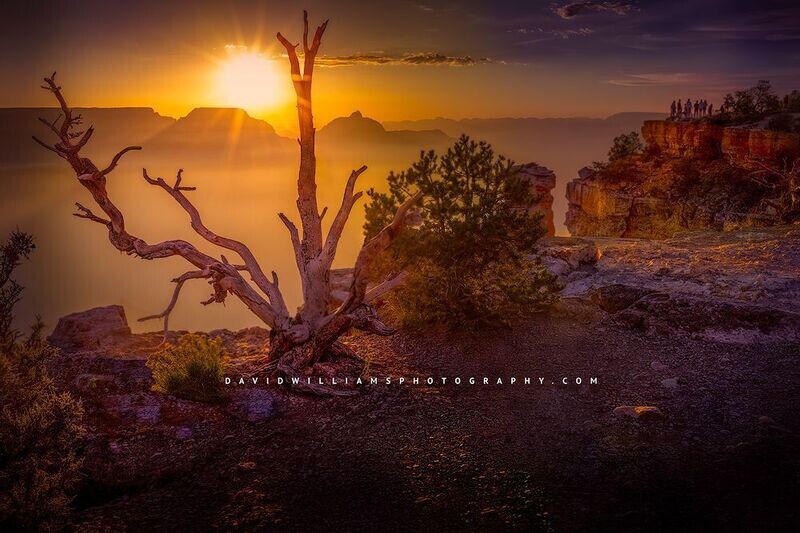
[245, 174]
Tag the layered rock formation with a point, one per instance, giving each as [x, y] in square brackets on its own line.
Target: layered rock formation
[542, 181]
[594, 209]
[693, 176]
[736, 287]
[681, 139]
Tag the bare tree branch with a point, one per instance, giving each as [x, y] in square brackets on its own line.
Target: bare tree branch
[225, 278]
[294, 235]
[379, 291]
[370, 251]
[314, 276]
[335, 233]
[86, 213]
[260, 279]
[111, 166]
[299, 341]
[179, 281]
[53, 149]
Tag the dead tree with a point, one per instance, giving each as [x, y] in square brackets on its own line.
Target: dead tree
[299, 341]
[784, 187]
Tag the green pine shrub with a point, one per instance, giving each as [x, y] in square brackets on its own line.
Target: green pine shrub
[41, 429]
[495, 295]
[466, 258]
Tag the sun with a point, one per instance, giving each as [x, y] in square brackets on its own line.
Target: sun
[250, 81]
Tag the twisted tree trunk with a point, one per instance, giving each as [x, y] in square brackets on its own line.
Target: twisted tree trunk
[298, 342]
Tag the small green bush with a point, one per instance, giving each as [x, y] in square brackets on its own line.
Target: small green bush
[625, 145]
[497, 294]
[193, 369]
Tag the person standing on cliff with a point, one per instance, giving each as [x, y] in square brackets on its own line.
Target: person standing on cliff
[710, 109]
[697, 108]
[680, 109]
[688, 108]
[672, 110]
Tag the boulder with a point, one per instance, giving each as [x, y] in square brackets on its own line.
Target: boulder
[97, 328]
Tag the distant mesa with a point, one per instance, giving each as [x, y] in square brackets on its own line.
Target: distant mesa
[358, 129]
[217, 131]
[208, 119]
[115, 127]
[355, 126]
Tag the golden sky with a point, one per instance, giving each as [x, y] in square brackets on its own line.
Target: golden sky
[401, 59]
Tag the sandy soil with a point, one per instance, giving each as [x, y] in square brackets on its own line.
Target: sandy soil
[548, 457]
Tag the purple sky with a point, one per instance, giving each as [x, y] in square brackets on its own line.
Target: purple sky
[410, 59]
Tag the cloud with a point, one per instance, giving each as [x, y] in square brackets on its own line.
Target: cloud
[706, 80]
[414, 58]
[568, 11]
[657, 79]
[539, 35]
[431, 10]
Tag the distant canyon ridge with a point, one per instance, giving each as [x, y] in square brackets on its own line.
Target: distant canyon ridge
[563, 145]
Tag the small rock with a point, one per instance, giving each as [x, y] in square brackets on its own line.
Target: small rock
[643, 412]
[95, 382]
[184, 433]
[767, 421]
[670, 383]
[658, 366]
[253, 405]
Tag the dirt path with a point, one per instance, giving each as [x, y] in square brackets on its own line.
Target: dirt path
[537, 457]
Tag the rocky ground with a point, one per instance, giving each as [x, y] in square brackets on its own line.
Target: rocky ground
[692, 423]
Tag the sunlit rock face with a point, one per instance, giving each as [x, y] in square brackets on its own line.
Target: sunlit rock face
[693, 176]
[594, 209]
[682, 139]
[542, 181]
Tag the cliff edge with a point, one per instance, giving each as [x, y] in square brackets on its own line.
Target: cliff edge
[692, 176]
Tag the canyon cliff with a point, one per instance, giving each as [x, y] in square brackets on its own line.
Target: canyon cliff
[542, 181]
[693, 175]
[703, 139]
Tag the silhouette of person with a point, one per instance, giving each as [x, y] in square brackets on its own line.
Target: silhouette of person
[710, 109]
[688, 108]
[672, 110]
[697, 108]
[680, 109]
